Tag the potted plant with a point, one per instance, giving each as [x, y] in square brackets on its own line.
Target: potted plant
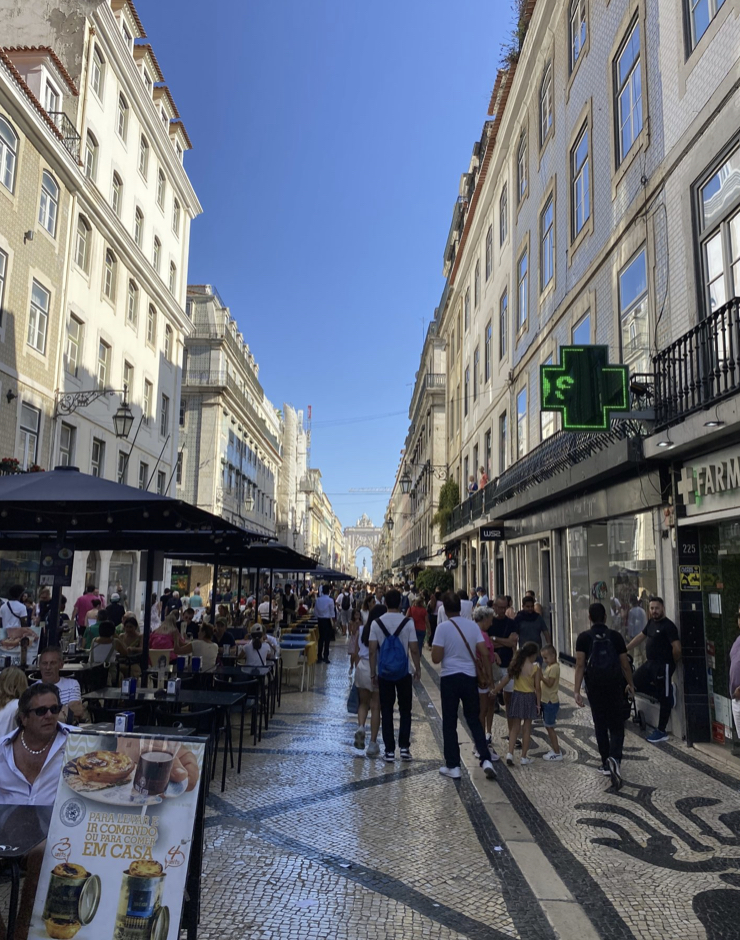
[35, 468]
[9, 464]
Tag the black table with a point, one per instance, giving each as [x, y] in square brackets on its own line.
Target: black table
[153, 730]
[269, 673]
[22, 828]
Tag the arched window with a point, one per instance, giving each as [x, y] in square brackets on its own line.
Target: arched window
[97, 73]
[116, 196]
[161, 186]
[173, 277]
[138, 226]
[82, 244]
[156, 254]
[132, 308]
[168, 343]
[122, 117]
[109, 274]
[91, 156]
[143, 156]
[176, 217]
[49, 204]
[8, 154]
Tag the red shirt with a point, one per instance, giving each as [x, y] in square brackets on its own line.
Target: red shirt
[84, 605]
[419, 616]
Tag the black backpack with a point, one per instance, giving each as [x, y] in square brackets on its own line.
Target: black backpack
[346, 602]
[603, 666]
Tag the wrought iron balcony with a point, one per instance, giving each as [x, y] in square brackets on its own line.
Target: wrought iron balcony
[70, 137]
[700, 368]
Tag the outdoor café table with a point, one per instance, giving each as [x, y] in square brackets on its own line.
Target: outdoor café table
[91, 727]
[221, 701]
[22, 828]
[265, 674]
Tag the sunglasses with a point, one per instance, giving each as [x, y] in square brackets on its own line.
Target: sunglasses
[43, 709]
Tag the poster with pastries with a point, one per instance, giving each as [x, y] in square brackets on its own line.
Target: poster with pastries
[116, 859]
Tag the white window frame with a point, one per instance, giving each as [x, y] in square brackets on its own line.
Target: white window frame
[522, 290]
[97, 457]
[522, 181]
[164, 415]
[503, 325]
[28, 434]
[116, 194]
[103, 365]
[138, 226]
[127, 378]
[488, 352]
[122, 467]
[122, 117]
[489, 252]
[503, 215]
[82, 244]
[172, 282]
[176, 217]
[73, 349]
[143, 156]
[8, 154]
[49, 203]
[581, 191]
[713, 7]
[626, 88]
[67, 435]
[38, 318]
[522, 430]
[97, 72]
[161, 187]
[168, 338]
[3, 275]
[91, 156]
[151, 325]
[110, 273]
[578, 31]
[546, 95]
[161, 482]
[147, 400]
[132, 303]
[156, 254]
[547, 243]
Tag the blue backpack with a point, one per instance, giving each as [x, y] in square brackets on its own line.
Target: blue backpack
[393, 660]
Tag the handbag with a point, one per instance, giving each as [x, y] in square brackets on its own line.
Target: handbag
[353, 700]
[480, 669]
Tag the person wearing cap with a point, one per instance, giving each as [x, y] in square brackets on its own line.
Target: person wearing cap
[256, 651]
[115, 611]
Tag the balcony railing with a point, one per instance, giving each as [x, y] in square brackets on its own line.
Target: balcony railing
[66, 128]
[432, 381]
[220, 378]
[206, 327]
[700, 368]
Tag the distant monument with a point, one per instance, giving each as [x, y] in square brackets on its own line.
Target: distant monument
[363, 535]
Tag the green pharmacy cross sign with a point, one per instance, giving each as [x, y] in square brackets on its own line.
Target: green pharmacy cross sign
[584, 388]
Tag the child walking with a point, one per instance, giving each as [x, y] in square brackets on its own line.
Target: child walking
[353, 640]
[525, 699]
[550, 702]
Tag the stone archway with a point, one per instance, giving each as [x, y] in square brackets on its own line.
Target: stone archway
[363, 535]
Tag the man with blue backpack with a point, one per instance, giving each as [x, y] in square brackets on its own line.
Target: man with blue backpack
[601, 658]
[392, 638]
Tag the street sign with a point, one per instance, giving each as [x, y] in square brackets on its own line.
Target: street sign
[584, 388]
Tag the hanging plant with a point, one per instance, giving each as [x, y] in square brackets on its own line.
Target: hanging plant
[449, 497]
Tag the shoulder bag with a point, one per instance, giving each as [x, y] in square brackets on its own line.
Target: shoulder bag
[480, 668]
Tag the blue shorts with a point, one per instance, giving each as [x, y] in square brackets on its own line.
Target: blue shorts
[550, 713]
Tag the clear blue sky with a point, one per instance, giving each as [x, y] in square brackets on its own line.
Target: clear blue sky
[328, 141]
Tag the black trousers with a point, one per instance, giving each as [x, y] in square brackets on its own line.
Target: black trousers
[326, 635]
[654, 679]
[453, 690]
[608, 716]
[388, 690]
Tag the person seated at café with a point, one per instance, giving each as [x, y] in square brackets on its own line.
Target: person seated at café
[167, 637]
[91, 623]
[31, 760]
[188, 627]
[272, 640]
[225, 613]
[257, 652]
[205, 647]
[106, 648]
[132, 642]
[50, 663]
[13, 684]
[221, 635]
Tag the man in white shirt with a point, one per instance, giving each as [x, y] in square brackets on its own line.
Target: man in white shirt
[50, 664]
[457, 642]
[394, 623]
[14, 612]
[344, 610]
[326, 614]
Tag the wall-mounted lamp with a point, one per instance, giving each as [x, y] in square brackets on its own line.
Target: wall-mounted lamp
[10, 395]
[666, 442]
[716, 421]
[28, 236]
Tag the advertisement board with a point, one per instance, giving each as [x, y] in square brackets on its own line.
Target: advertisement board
[116, 857]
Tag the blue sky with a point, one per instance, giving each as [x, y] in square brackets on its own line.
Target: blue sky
[329, 137]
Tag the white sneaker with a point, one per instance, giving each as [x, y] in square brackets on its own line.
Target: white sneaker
[360, 739]
[454, 772]
[551, 755]
[475, 753]
[510, 760]
[373, 749]
[488, 770]
[525, 760]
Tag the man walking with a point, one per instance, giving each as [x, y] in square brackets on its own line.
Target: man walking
[389, 668]
[530, 625]
[663, 651]
[326, 614]
[344, 609]
[601, 657]
[505, 640]
[457, 642]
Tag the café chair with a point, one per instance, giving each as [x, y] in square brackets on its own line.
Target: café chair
[292, 660]
[251, 688]
[103, 713]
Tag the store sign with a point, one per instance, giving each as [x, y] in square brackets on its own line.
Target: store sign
[492, 533]
[705, 482]
[689, 577]
[584, 388]
[56, 564]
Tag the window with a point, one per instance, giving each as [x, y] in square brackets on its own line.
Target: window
[122, 467]
[522, 277]
[51, 99]
[503, 325]
[547, 236]
[147, 81]
[66, 445]
[146, 406]
[97, 73]
[582, 332]
[168, 343]
[701, 14]
[151, 325]
[97, 457]
[138, 226]
[164, 416]
[466, 469]
[128, 378]
[8, 154]
[178, 469]
[633, 314]
[577, 30]
[521, 167]
[143, 156]
[476, 372]
[103, 363]
[546, 104]
[38, 317]
[161, 186]
[161, 482]
[182, 412]
[487, 452]
[719, 220]
[74, 345]
[116, 195]
[49, 204]
[476, 284]
[29, 436]
[502, 450]
[521, 423]
[3, 269]
[176, 217]
[178, 151]
[466, 392]
[91, 157]
[143, 475]
[126, 34]
[132, 306]
[466, 309]
[581, 192]
[122, 118]
[628, 92]
[487, 352]
[452, 416]
[156, 254]
[173, 277]
[547, 418]
[109, 274]
[503, 215]
[476, 454]
[82, 244]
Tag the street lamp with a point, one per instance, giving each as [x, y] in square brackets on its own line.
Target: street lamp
[123, 420]
[405, 481]
[389, 522]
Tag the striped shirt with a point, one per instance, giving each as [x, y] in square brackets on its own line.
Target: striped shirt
[69, 690]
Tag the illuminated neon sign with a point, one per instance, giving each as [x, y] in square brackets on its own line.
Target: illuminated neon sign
[584, 388]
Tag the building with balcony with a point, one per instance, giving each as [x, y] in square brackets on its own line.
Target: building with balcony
[291, 501]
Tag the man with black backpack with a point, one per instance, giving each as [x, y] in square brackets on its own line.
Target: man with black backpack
[392, 638]
[344, 610]
[601, 657]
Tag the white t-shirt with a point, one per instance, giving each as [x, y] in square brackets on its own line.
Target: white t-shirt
[100, 652]
[260, 657]
[456, 658]
[7, 717]
[324, 608]
[11, 613]
[466, 609]
[264, 609]
[207, 652]
[391, 622]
